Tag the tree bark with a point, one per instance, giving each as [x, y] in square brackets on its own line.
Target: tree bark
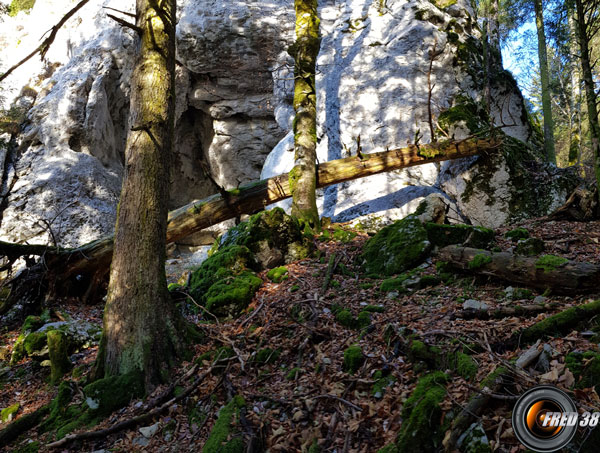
[585, 24]
[303, 177]
[141, 325]
[546, 100]
[65, 264]
[567, 278]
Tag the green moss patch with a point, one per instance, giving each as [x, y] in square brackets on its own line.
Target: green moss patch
[8, 413]
[382, 382]
[465, 365]
[230, 296]
[479, 260]
[266, 355]
[475, 236]
[396, 248]
[550, 262]
[464, 113]
[585, 367]
[225, 436]
[394, 284]
[421, 429]
[225, 283]
[560, 323]
[353, 359]
[517, 233]
[278, 274]
[272, 236]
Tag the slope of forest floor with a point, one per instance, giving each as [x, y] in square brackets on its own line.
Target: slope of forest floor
[287, 356]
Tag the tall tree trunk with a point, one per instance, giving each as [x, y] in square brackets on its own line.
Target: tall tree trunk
[583, 25]
[141, 331]
[303, 177]
[546, 101]
[575, 101]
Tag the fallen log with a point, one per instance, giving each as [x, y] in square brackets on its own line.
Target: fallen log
[505, 312]
[558, 274]
[93, 259]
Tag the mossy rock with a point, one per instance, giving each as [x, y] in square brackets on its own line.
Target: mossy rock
[396, 248]
[114, 392]
[226, 262]
[225, 283]
[35, 342]
[230, 296]
[278, 274]
[353, 359]
[272, 236]
[530, 247]
[517, 234]
[421, 429]
[585, 367]
[442, 235]
[225, 436]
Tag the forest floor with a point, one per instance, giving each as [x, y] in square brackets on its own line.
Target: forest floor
[289, 353]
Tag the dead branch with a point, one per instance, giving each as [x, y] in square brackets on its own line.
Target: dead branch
[43, 48]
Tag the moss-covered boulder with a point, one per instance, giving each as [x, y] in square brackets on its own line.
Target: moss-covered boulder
[442, 235]
[421, 428]
[272, 236]
[396, 248]
[114, 392]
[225, 283]
[226, 435]
[517, 234]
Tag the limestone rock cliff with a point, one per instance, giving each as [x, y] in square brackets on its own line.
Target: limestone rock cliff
[62, 166]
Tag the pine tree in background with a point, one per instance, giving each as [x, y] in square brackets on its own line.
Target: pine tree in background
[588, 25]
[545, 78]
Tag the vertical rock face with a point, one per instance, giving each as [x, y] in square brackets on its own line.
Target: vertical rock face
[385, 68]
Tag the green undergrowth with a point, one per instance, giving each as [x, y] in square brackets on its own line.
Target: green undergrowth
[517, 233]
[422, 428]
[225, 435]
[345, 317]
